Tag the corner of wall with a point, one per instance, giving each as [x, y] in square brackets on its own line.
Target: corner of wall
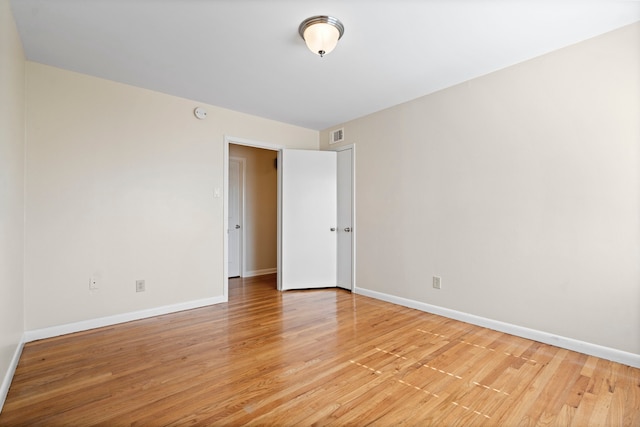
[8, 377]
[12, 219]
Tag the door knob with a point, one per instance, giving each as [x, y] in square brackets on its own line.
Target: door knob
[332, 229]
[237, 226]
[348, 229]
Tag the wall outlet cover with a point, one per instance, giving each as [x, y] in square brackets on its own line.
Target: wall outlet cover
[437, 282]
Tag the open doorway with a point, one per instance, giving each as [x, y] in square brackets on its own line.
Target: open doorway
[252, 212]
[246, 241]
[346, 251]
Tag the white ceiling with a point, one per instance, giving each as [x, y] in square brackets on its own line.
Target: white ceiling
[246, 55]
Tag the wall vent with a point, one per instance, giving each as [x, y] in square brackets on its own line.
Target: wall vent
[336, 136]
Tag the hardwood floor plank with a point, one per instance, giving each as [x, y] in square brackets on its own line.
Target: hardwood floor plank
[318, 357]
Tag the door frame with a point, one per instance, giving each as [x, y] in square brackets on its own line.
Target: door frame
[227, 139]
[354, 228]
[243, 255]
[225, 205]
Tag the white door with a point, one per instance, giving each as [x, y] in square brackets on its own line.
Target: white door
[345, 219]
[235, 216]
[308, 201]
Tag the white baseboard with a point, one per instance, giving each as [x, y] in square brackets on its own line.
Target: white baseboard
[626, 358]
[85, 325]
[6, 381]
[262, 272]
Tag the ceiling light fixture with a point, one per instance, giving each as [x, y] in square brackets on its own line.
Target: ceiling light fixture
[321, 33]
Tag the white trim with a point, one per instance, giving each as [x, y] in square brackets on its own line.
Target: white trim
[262, 272]
[354, 228]
[279, 222]
[225, 218]
[251, 143]
[8, 377]
[85, 325]
[608, 353]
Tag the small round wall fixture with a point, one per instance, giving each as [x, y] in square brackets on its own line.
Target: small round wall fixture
[321, 33]
[200, 113]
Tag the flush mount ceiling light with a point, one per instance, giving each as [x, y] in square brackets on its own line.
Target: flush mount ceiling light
[321, 33]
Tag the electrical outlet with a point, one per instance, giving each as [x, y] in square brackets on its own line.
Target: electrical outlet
[140, 287]
[437, 282]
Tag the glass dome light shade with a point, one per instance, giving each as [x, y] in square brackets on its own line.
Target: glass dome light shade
[321, 33]
[321, 38]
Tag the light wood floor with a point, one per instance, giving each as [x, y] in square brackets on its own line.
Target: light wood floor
[321, 357]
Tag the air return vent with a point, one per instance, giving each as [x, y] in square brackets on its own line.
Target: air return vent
[336, 136]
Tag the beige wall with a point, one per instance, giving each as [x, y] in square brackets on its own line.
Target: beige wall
[260, 208]
[11, 190]
[520, 189]
[120, 184]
